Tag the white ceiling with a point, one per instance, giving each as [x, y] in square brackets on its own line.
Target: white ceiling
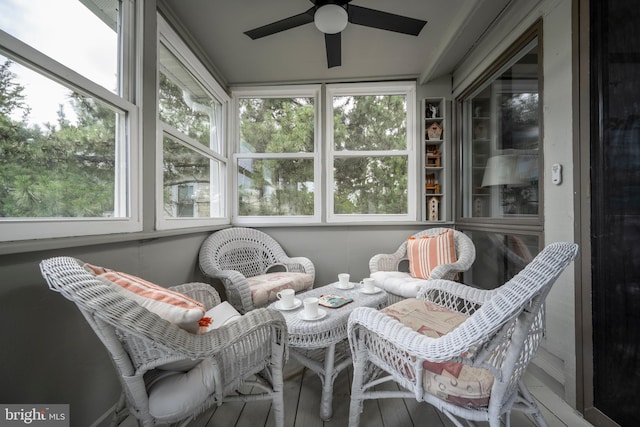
[298, 54]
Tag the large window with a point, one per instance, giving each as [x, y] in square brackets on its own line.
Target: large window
[501, 142]
[500, 147]
[68, 122]
[369, 154]
[192, 112]
[277, 164]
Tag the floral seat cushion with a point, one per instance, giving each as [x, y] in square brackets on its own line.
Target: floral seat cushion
[265, 287]
[451, 381]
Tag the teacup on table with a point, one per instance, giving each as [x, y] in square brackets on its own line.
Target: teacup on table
[368, 285]
[311, 307]
[286, 297]
[343, 280]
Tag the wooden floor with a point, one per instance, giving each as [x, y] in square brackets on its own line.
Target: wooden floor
[302, 396]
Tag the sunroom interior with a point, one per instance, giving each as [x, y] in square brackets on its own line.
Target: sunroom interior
[205, 128]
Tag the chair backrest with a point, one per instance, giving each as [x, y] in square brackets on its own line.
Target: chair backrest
[465, 249]
[118, 322]
[504, 333]
[246, 250]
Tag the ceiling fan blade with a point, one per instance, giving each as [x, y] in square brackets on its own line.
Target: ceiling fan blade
[282, 25]
[334, 49]
[384, 20]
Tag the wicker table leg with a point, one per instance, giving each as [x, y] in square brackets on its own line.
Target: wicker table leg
[323, 363]
[326, 401]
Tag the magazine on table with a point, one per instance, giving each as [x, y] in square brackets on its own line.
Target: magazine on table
[333, 301]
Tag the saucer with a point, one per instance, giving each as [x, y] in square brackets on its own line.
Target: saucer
[321, 315]
[296, 303]
[350, 286]
[374, 291]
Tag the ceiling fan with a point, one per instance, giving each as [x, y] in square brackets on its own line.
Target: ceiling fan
[332, 16]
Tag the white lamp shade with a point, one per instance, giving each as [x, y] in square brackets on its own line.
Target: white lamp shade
[331, 18]
[503, 170]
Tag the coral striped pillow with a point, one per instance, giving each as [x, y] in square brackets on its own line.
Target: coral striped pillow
[172, 306]
[427, 252]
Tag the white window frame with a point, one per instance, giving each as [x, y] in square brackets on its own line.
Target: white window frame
[306, 91]
[128, 151]
[361, 89]
[172, 41]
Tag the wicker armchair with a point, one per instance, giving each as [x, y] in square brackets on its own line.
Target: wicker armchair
[384, 268]
[253, 267]
[498, 339]
[169, 375]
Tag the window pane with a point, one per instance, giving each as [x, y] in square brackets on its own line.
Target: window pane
[186, 105]
[372, 122]
[81, 35]
[187, 177]
[38, 101]
[499, 257]
[64, 162]
[277, 125]
[370, 185]
[275, 187]
[501, 131]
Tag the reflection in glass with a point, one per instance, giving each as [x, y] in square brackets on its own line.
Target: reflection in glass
[186, 182]
[81, 35]
[499, 257]
[270, 187]
[501, 141]
[370, 185]
[184, 104]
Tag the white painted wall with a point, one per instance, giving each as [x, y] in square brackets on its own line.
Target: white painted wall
[557, 356]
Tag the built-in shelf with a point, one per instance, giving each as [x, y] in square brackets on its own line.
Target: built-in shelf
[435, 159]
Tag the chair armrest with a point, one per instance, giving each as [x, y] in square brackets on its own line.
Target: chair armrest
[370, 330]
[385, 262]
[236, 287]
[230, 333]
[455, 296]
[300, 264]
[202, 292]
[157, 341]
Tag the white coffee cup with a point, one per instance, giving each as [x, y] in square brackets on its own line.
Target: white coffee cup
[368, 285]
[286, 297]
[343, 278]
[310, 307]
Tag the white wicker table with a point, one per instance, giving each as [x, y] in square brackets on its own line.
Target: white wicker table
[321, 345]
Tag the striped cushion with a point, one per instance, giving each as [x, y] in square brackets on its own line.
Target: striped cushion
[427, 252]
[172, 306]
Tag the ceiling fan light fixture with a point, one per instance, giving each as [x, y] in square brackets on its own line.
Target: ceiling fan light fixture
[331, 18]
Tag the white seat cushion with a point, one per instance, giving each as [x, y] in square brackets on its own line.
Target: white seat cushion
[264, 288]
[398, 283]
[181, 393]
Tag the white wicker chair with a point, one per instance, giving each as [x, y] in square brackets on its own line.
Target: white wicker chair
[237, 255]
[250, 350]
[501, 335]
[384, 268]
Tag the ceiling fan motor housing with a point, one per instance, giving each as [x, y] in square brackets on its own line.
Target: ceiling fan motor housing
[331, 18]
